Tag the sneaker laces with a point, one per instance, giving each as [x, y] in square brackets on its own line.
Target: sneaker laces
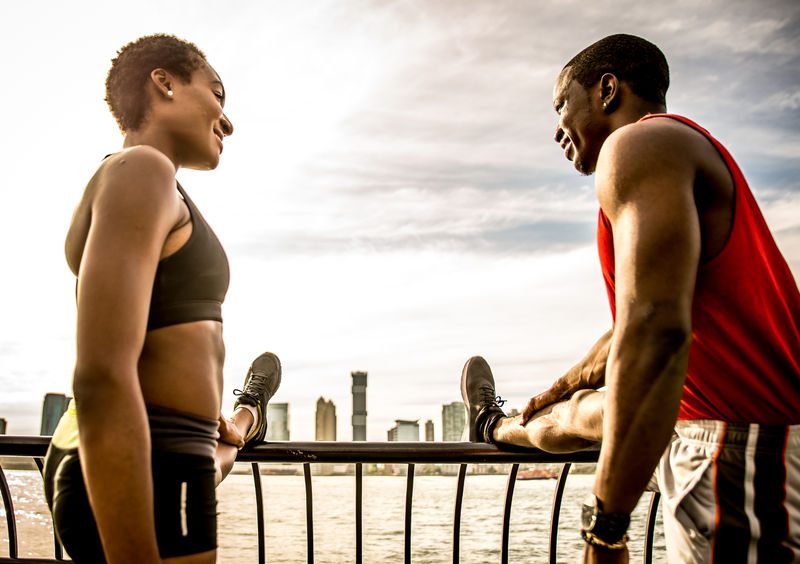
[489, 399]
[257, 384]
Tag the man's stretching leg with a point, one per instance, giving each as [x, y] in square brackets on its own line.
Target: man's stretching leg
[566, 426]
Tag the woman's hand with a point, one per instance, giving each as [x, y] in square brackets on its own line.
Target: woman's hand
[229, 434]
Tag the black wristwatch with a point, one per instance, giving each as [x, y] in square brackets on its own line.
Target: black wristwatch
[603, 529]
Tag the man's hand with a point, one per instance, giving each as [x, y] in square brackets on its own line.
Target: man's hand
[588, 374]
[229, 434]
[595, 555]
[559, 391]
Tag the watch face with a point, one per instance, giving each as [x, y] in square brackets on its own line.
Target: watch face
[588, 514]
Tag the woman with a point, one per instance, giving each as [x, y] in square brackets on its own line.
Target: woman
[139, 484]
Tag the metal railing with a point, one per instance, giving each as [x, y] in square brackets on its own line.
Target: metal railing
[358, 453]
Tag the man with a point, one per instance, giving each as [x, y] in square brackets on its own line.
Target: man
[702, 365]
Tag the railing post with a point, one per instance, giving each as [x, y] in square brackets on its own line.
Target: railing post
[555, 511]
[262, 543]
[651, 526]
[409, 501]
[57, 550]
[512, 479]
[11, 518]
[359, 505]
[462, 474]
[309, 513]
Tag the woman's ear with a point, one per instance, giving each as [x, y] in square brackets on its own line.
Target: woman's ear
[162, 81]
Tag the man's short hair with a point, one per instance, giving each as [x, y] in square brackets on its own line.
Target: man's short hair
[130, 70]
[631, 59]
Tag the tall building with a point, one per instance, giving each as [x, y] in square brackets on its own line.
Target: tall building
[277, 422]
[429, 430]
[2, 426]
[326, 420]
[53, 408]
[453, 417]
[359, 406]
[404, 430]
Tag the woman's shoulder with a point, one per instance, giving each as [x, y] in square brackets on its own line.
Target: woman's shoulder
[139, 162]
[141, 171]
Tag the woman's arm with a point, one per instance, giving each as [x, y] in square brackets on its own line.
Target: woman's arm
[134, 208]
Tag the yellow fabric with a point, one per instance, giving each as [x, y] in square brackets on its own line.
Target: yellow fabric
[66, 434]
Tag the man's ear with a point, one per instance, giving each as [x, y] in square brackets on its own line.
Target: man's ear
[162, 81]
[609, 92]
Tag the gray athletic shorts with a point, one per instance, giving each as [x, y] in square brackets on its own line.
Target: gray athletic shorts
[730, 493]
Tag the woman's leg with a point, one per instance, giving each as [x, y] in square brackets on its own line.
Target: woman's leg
[208, 557]
[249, 421]
[241, 422]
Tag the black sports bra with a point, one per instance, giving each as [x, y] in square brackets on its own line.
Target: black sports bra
[191, 283]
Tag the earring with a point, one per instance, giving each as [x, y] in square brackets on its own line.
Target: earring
[605, 106]
[169, 93]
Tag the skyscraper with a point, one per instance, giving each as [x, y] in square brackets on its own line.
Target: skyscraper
[53, 408]
[359, 406]
[277, 422]
[326, 420]
[453, 416]
[2, 426]
[429, 430]
[404, 430]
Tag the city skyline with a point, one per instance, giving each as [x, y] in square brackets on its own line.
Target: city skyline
[391, 199]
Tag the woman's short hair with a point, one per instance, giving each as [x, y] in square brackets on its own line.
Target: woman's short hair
[130, 70]
[631, 59]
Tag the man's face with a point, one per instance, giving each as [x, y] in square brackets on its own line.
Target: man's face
[582, 126]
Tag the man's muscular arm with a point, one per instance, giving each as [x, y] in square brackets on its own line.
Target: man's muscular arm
[645, 184]
[588, 374]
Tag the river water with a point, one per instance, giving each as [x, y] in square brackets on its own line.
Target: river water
[383, 519]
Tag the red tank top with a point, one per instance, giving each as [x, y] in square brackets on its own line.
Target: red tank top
[744, 360]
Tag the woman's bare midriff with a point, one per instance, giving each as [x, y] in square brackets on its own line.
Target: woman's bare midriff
[180, 368]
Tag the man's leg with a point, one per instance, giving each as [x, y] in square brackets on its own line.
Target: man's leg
[250, 410]
[566, 426]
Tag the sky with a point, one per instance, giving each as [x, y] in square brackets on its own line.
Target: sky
[391, 199]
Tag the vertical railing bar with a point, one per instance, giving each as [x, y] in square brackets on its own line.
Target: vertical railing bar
[57, 550]
[409, 501]
[309, 513]
[555, 512]
[462, 475]
[512, 479]
[359, 502]
[651, 527]
[11, 518]
[262, 542]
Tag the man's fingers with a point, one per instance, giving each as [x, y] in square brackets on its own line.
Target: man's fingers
[540, 401]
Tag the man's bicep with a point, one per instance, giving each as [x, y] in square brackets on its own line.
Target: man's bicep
[657, 247]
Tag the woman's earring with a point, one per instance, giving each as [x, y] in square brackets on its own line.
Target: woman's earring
[169, 93]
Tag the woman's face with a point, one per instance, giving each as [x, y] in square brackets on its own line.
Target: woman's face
[197, 120]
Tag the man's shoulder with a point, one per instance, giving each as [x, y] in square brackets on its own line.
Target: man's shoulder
[654, 134]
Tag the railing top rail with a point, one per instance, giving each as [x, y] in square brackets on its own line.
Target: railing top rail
[344, 452]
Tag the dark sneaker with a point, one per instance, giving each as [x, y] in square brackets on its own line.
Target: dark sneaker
[260, 385]
[483, 407]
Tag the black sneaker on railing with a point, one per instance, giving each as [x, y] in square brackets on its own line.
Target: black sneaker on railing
[483, 407]
[260, 385]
